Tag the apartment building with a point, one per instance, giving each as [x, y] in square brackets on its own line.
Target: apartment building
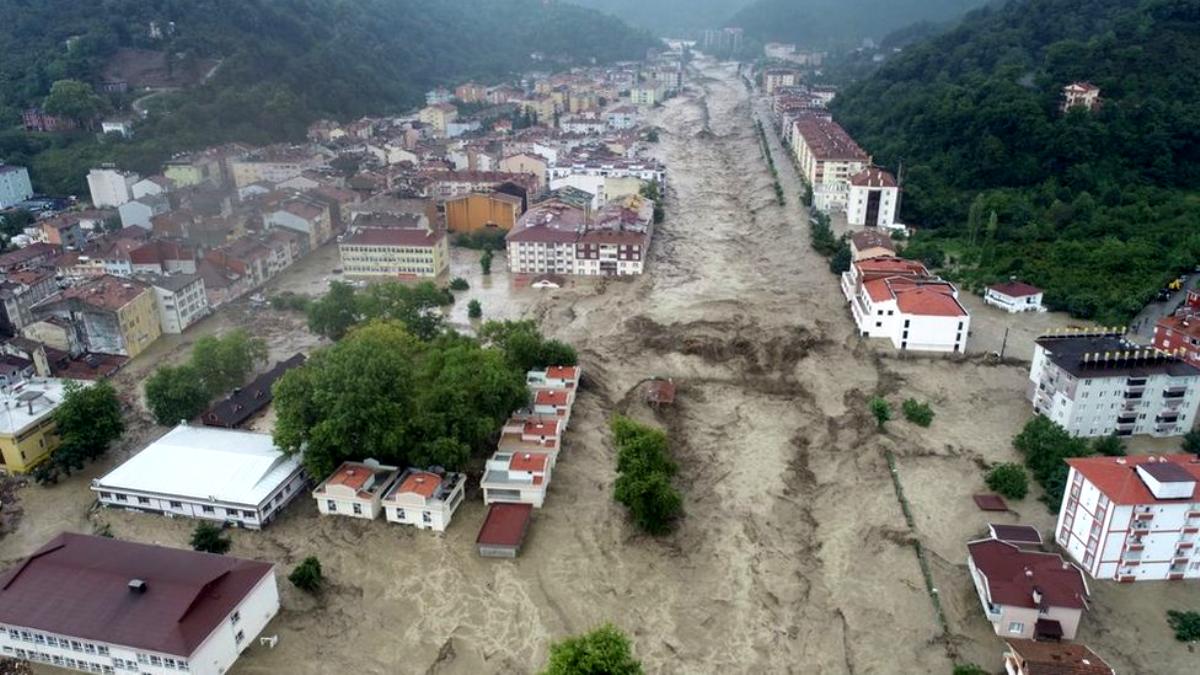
[110, 315]
[545, 238]
[1134, 518]
[438, 117]
[1027, 594]
[774, 78]
[527, 162]
[606, 167]
[20, 290]
[111, 187]
[482, 211]
[873, 199]
[395, 252]
[27, 428]
[180, 298]
[900, 300]
[1096, 383]
[355, 490]
[14, 185]
[426, 500]
[828, 158]
[273, 164]
[1179, 333]
[122, 607]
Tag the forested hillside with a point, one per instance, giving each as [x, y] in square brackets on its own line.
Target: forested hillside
[821, 23]
[1100, 208]
[670, 16]
[284, 62]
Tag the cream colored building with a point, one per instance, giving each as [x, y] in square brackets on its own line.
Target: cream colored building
[395, 252]
[424, 499]
[438, 116]
[355, 490]
[525, 162]
[828, 158]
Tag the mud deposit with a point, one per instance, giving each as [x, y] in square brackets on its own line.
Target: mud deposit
[794, 556]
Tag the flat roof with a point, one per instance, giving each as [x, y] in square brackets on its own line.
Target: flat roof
[205, 463]
[29, 402]
[78, 585]
[1111, 355]
[505, 525]
[1117, 477]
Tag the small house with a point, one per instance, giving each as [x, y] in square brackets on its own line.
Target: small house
[516, 477]
[424, 499]
[1014, 297]
[1026, 594]
[356, 489]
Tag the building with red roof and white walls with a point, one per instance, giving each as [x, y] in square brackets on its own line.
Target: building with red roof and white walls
[517, 478]
[1134, 518]
[1027, 594]
[355, 490]
[425, 499]
[900, 300]
[874, 198]
[1014, 297]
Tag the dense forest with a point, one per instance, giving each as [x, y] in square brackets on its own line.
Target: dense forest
[1100, 208]
[832, 23]
[284, 63]
[668, 17]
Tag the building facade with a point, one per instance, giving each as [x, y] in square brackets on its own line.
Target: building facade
[394, 252]
[181, 300]
[827, 157]
[873, 199]
[1096, 383]
[1027, 594]
[900, 300]
[425, 499]
[1179, 333]
[14, 185]
[1134, 518]
[1014, 297]
[27, 429]
[111, 187]
[482, 211]
[355, 490]
[110, 315]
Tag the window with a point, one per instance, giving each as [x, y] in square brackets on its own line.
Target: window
[122, 498]
[427, 517]
[177, 505]
[357, 509]
[170, 663]
[143, 500]
[239, 636]
[155, 661]
[331, 505]
[399, 514]
[248, 514]
[1016, 627]
[235, 617]
[105, 495]
[208, 509]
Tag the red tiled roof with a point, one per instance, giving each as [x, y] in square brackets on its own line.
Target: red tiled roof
[866, 239]
[888, 266]
[420, 482]
[563, 372]
[827, 140]
[555, 397]
[1059, 658]
[1013, 575]
[541, 428]
[1015, 289]
[353, 476]
[929, 300]
[873, 176]
[534, 462]
[78, 585]
[1117, 477]
[505, 525]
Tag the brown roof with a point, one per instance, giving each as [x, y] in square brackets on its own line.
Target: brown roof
[422, 483]
[873, 176]
[78, 585]
[1015, 289]
[107, 292]
[827, 140]
[865, 239]
[243, 403]
[1016, 534]
[990, 503]
[505, 525]
[394, 236]
[1059, 658]
[1014, 576]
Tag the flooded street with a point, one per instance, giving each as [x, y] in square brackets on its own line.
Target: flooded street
[794, 555]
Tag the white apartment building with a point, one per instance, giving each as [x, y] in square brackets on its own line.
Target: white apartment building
[873, 199]
[615, 168]
[900, 300]
[1134, 518]
[646, 95]
[180, 298]
[355, 490]
[234, 477]
[425, 499]
[1095, 383]
[14, 185]
[775, 78]
[516, 477]
[111, 187]
[828, 157]
[120, 607]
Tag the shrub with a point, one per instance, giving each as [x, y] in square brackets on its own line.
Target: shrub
[485, 261]
[210, 539]
[1111, 446]
[307, 576]
[918, 413]
[881, 410]
[604, 651]
[474, 309]
[1009, 480]
[459, 284]
[645, 469]
[1185, 624]
[1191, 442]
[1045, 445]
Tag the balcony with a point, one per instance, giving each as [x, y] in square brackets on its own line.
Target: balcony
[1133, 395]
[1132, 556]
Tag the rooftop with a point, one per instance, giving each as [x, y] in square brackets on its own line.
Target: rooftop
[874, 177]
[865, 239]
[1014, 576]
[389, 236]
[1059, 658]
[505, 525]
[243, 403]
[1015, 534]
[1117, 477]
[367, 479]
[107, 292]
[236, 467]
[1015, 289]
[1109, 354]
[28, 402]
[79, 585]
[827, 140]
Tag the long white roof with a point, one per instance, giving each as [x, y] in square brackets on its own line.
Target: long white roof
[206, 463]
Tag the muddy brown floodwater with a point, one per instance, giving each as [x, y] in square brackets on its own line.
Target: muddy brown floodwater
[794, 555]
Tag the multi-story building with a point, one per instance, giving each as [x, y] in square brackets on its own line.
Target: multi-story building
[614, 167]
[774, 78]
[900, 300]
[273, 164]
[828, 157]
[1179, 333]
[470, 92]
[355, 490]
[527, 162]
[479, 211]
[395, 252]
[443, 185]
[1081, 95]
[622, 117]
[867, 244]
[1133, 518]
[14, 185]
[1096, 383]
[554, 377]
[309, 217]
[438, 116]
[110, 315]
[1027, 594]
[27, 428]
[545, 237]
[123, 607]
[180, 298]
[516, 477]
[111, 187]
[424, 499]
[64, 230]
[646, 94]
[873, 199]
[208, 473]
[20, 290]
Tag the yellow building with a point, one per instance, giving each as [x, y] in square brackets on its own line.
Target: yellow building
[543, 107]
[395, 252]
[438, 116]
[27, 430]
[112, 315]
[476, 211]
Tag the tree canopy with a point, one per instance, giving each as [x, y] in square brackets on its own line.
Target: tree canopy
[217, 365]
[343, 307]
[604, 651]
[524, 347]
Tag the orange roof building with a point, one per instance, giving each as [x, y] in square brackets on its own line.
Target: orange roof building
[901, 300]
[424, 499]
[355, 490]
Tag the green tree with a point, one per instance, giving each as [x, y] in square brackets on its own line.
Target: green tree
[308, 576]
[842, 258]
[459, 284]
[525, 347]
[916, 412]
[1185, 624]
[1110, 446]
[485, 261]
[474, 309]
[1191, 442]
[653, 503]
[1009, 480]
[604, 651]
[334, 314]
[1046, 446]
[176, 395]
[449, 453]
[75, 100]
[209, 538]
[881, 410]
[223, 363]
[969, 669]
[87, 421]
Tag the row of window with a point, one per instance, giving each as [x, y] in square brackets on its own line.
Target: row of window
[54, 641]
[61, 661]
[154, 660]
[212, 510]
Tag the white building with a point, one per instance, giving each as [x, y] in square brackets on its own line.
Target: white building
[138, 212]
[622, 117]
[775, 78]
[554, 377]
[1081, 95]
[152, 185]
[425, 499]
[102, 605]
[1132, 518]
[117, 126]
[111, 187]
[874, 196]
[646, 95]
[14, 185]
[181, 300]
[828, 157]
[1095, 383]
[900, 300]
[228, 476]
[1014, 297]
[608, 167]
[526, 433]
[355, 490]
[519, 478]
